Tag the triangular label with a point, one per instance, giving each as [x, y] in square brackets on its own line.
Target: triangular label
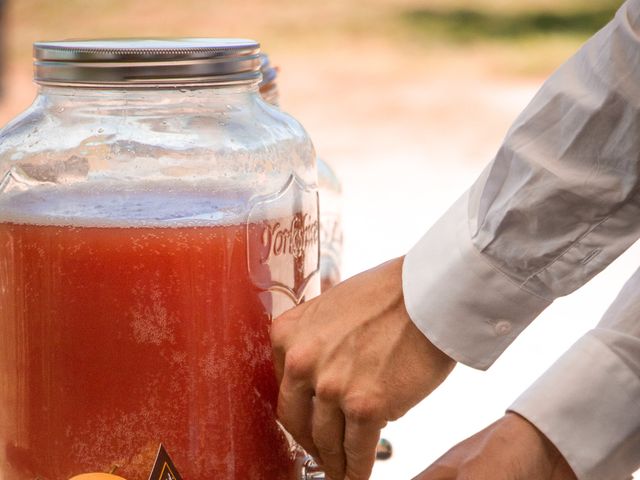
[164, 469]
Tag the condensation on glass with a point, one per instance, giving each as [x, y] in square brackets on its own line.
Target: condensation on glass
[155, 214]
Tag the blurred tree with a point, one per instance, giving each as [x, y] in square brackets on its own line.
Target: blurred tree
[468, 23]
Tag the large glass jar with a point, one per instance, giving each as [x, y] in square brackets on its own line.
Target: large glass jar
[155, 214]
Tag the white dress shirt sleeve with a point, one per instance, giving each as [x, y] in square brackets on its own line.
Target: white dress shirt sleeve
[588, 402]
[560, 201]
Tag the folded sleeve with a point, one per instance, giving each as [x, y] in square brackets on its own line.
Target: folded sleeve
[558, 203]
[588, 402]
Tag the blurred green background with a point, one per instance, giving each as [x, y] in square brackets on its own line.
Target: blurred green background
[527, 27]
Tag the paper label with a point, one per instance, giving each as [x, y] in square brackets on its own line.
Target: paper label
[164, 469]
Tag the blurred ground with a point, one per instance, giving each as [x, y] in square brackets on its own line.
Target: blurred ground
[408, 100]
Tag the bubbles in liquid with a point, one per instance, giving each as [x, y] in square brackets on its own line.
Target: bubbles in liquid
[151, 321]
[142, 206]
[138, 205]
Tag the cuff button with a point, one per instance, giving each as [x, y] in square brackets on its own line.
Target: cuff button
[502, 327]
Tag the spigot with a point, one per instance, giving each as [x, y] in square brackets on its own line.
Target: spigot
[311, 470]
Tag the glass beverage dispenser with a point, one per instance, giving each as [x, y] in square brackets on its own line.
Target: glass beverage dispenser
[155, 214]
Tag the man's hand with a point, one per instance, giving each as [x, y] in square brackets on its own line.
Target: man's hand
[510, 449]
[348, 362]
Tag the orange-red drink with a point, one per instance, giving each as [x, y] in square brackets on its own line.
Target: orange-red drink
[116, 338]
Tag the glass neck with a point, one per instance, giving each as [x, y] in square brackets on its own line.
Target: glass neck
[135, 98]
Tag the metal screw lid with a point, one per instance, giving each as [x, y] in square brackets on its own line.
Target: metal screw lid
[147, 62]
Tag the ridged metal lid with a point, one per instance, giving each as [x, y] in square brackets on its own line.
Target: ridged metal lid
[147, 62]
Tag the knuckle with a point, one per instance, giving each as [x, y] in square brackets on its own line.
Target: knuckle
[328, 390]
[362, 409]
[298, 364]
[279, 331]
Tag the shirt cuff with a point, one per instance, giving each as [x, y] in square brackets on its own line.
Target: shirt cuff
[588, 406]
[462, 303]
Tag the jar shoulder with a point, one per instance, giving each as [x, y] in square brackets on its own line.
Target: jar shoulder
[22, 127]
[189, 141]
[250, 126]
